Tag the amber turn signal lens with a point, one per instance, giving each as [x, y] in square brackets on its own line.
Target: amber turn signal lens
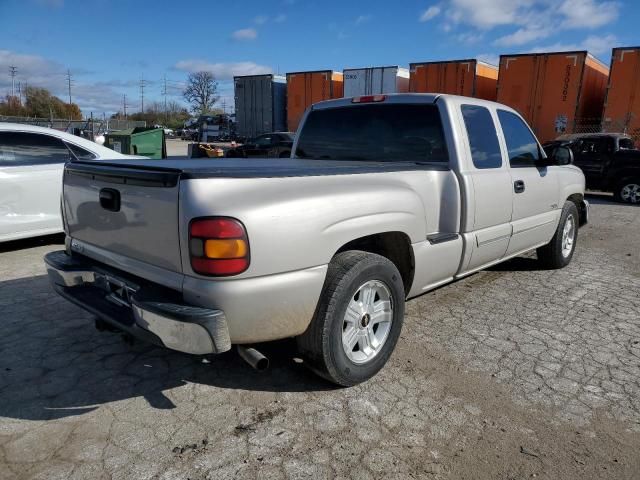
[235, 248]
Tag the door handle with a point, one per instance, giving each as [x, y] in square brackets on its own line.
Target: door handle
[518, 186]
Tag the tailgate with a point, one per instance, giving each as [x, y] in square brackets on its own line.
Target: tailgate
[130, 211]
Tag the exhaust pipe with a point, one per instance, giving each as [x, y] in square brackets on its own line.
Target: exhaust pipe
[253, 358]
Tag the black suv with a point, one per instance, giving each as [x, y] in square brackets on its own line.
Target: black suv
[610, 162]
[276, 144]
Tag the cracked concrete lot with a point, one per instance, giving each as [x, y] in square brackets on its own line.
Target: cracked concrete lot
[511, 373]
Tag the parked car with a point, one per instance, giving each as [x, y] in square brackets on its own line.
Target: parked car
[385, 198]
[610, 162]
[31, 164]
[276, 144]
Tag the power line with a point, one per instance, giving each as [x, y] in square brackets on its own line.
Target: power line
[12, 72]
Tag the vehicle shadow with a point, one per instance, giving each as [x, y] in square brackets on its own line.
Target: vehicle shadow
[601, 198]
[55, 239]
[518, 264]
[55, 364]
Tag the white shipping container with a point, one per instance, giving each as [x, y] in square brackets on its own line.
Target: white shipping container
[375, 80]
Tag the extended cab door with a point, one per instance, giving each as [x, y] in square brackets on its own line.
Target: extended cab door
[535, 190]
[30, 183]
[487, 184]
[591, 155]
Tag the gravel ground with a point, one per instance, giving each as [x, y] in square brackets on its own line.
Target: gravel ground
[511, 373]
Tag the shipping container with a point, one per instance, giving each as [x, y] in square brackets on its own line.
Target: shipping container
[470, 78]
[622, 105]
[559, 92]
[375, 80]
[307, 88]
[261, 104]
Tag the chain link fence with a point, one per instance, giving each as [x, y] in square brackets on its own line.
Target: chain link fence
[597, 125]
[95, 126]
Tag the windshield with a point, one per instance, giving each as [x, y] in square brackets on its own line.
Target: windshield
[378, 133]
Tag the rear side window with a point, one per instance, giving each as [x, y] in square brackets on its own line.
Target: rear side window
[20, 149]
[521, 144]
[483, 139]
[81, 153]
[374, 132]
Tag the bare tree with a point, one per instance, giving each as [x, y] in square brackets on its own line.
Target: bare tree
[201, 91]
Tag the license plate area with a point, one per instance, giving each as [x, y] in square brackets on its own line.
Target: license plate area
[117, 290]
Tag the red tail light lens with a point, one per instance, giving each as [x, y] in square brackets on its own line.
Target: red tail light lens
[369, 99]
[218, 246]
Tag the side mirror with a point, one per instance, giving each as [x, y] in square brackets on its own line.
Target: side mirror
[562, 156]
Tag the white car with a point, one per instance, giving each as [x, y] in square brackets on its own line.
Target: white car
[31, 164]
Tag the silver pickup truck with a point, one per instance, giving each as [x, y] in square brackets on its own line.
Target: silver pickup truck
[385, 197]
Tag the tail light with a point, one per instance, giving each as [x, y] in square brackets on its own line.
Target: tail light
[369, 99]
[218, 246]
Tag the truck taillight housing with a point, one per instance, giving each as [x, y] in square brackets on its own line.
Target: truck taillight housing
[218, 246]
[369, 99]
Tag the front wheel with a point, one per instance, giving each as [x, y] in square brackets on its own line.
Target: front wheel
[358, 318]
[628, 191]
[559, 251]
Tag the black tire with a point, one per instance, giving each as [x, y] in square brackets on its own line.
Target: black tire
[284, 155]
[618, 194]
[551, 255]
[321, 344]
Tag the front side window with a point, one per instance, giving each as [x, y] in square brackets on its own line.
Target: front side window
[374, 133]
[262, 141]
[483, 139]
[592, 145]
[21, 148]
[626, 144]
[521, 144]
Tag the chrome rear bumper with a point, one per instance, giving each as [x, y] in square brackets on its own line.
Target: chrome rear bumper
[149, 312]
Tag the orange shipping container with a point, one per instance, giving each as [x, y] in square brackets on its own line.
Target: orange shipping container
[471, 78]
[307, 88]
[622, 105]
[555, 92]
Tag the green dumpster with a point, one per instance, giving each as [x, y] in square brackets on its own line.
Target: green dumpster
[148, 142]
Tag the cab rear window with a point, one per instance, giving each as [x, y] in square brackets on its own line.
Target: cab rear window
[378, 133]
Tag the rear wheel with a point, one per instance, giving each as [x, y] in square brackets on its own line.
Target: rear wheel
[559, 251]
[628, 191]
[284, 155]
[358, 319]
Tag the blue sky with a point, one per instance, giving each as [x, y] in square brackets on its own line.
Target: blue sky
[109, 45]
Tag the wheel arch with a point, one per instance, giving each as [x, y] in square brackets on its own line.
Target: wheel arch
[578, 200]
[394, 245]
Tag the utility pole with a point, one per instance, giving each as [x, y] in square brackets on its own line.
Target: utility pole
[142, 85]
[69, 76]
[124, 105]
[12, 72]
[69, 87]
[20, 92]
[224, 105]
[164, 92]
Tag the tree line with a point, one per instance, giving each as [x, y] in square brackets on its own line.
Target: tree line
[39, 102]
[200, 93]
